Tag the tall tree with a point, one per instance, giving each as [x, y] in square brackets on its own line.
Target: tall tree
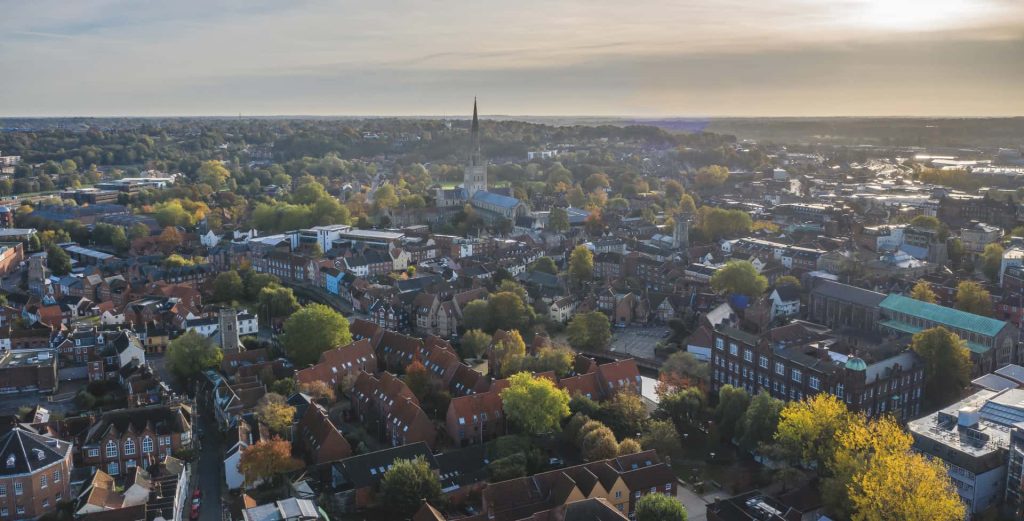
[589, 331]
[759, 421]
[732, 404]
[659, 507]
[275, 412]
[625, 414]
[807, 429]
[992, 260]
[739, 278]
[546, 265]
[312, 330]
[558, 220]
[267, 460]
[58, 261]
[506, 310]
[581, 265]
[856, 446]
[599, 444]
[923, 291]
[505, 350]
[277, 301]
[973, 298]
[474, 343]
[477, 315]
[191, 354]
[906, 486]
[663, 438]
[407, 483]
[228, 287]
[534, 404]
[711, 176]
[947, 363]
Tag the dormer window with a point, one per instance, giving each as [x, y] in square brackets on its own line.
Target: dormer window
[10, 461]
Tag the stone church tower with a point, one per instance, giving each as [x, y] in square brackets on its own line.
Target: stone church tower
[475, 177]
[228, 330]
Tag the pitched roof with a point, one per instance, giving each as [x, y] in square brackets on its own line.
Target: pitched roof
[848, 293]
[366, 470]
[23, 451]
[943, 315]
[501, 201]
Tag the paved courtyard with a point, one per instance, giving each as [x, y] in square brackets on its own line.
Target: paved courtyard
[638, 341]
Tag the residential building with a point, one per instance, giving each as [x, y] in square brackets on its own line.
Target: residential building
[335, 364]
[35, 474]
[122, 439]
[28, 370]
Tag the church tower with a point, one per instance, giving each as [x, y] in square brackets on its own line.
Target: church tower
[475, 177]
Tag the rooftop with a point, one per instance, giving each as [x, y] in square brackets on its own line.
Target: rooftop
[943, 315]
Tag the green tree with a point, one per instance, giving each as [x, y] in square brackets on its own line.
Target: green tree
[739, 278]
[506, 349]
[662, 437]
[923, 291]
[973, 298]
[507, 311]
[732, 404]
[629, 446]
[599, 444]
[991, 261]
[625, 414]
[589, 331]
[58, 261]
[476, 315]
[228, 287]
[509, 467]
[213, 173]
[255, 282]
[925, 221]
[947, 363]
[474, 343]
[277, 301]
[788, 280]
[407, 483]
[191, 354]
[558, 220]
[534, 404]
[172, 213]
[659, 507]
[760, 421]
[385, 198]
[312, 330]
[581, 265]
[546, 265]
[684, 407]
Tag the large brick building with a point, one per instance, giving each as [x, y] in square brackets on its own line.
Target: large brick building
[122, 439]
[35, 472]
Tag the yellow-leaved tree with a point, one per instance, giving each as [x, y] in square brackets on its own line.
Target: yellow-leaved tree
[807, 430]
[904, 486]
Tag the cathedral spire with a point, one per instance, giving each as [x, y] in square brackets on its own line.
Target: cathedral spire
[476, 122]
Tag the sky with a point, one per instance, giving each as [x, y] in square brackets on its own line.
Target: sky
[639, 58]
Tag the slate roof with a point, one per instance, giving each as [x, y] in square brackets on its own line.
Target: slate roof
[23, 451]
[502, 201]
[366, 470]
[848, 293]
[943, 315]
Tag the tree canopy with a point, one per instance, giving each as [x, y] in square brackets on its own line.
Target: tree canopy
[191, 354]
[534, 404]
[312, 330]
[589, 331]
[581, 265]
[973, 298]
[266, 460]
[947, 363]
[58, 261]
[407, 483]
[923, 291]
[739, 278]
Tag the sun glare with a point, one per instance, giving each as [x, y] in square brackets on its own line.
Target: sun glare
[915, 15]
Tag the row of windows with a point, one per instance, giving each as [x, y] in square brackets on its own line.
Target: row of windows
[44, 481]
[129, 447]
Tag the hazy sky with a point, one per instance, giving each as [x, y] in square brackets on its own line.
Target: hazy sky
[571, 57]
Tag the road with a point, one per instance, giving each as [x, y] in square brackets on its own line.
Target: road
[211, 464]
[697, 506]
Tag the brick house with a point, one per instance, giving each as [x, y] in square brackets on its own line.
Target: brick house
[339, 362]
[317, 439]
[35, 474]
[391, 410]
[122, 439]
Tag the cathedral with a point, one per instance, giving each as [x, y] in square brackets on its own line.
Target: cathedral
[493, 206]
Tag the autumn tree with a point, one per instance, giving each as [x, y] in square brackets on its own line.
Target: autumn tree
[629, 446]
[807, 429]
[508, 347]
[191, 354]
[947, 363]
[534, 404]
[992, 260]
[545, 265]
[923, 291]
[659, 507]
[312, 330]
[711, 176]
[625, 414]
[599, 444]
[417, 378]
[662, 437]
[973, 298]
[474, 343]
[581, 265]
[213, 173]
[169, 239]
[275, 412]
[407, 483]
[385, 197]
[682, 370]
[739, 278]
[856, 446]
[319, 390]
[905, 487]
[589, 331]
[266, 460]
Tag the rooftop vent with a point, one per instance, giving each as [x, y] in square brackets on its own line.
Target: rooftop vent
[968, 417]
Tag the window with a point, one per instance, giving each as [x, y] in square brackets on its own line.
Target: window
[748, 355]
[18, 488]
[3, 512]
[111, 449]
[618, 493]
[129, 447]
[3, 490]
[113, 469]
[839, 390]
[46, 503]
[763, 362]
[719, 344]
[734, 349]
[56, 476]
[94, 453]
[20, 509]
[780, 369]
[147, 445]
[167, 440]
[797, 376]
[668, 487]
[42, 481]
[814, 382]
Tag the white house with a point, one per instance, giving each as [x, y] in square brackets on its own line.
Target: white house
[209, 239]
[561, 310]
[785, 301]
[128, 348]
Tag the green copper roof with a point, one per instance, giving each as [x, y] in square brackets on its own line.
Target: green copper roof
[943, 315]
[913, 330]
[856, 364]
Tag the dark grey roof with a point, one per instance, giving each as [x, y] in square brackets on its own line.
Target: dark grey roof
[994, 382]
[23, 451]
[1013, 372]
[788, 292]
[366, 470]
[848, 293]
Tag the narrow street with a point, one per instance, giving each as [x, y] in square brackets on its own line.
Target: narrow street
[210, 465]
